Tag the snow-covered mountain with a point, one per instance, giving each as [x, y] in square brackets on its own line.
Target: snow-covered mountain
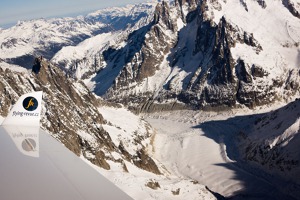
[212, 55]
[272, 141]
[263, 143]
[204, 54]
[106, 135]
[85, 59]
[45, 37]
[173, 55]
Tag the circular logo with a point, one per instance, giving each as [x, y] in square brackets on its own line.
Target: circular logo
[30, 104]
[29, 144]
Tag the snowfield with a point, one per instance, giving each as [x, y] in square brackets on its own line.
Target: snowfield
[123, 125]
[191, 145]
[236, 154]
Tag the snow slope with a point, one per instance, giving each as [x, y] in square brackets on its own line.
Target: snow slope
[28, 36]
[271, 142]
[134, 183]
[85, 59]
[222, 53]
[279, 47]
[118, 141]
[192, 145]
[45, 37]
[126, 127]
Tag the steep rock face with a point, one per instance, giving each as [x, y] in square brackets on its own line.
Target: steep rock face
[213, 47]
[185, 6]
[71, 114]
[213, 63]
[202, 55]
[106, 134]
[130, 66]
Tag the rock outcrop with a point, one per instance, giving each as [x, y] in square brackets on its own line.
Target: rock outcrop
[191, 61]
[70, 113]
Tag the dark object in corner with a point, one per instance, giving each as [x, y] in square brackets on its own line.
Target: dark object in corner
[37, 65]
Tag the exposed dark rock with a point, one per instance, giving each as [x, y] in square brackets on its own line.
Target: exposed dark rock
[242, 72]
[67, 112]
[262, 3]
[292, 82]
[244, 4]
[291, 7]
[221, 71]
[36, 66]
[100, 160]
[125, 153]
[143, 161]
[153, 185]
[162, 14]
[258, 71]
[176, 192]
[192, 5]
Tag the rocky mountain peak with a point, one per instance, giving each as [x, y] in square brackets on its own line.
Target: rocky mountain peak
[71, 114]
[162, 15]
[191, 3]
[185, 6]
[196, 53]
[195, 61]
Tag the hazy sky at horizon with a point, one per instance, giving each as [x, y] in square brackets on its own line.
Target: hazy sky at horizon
[11, 11]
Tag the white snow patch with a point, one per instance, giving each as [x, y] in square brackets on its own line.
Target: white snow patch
[124, 126]
[134, 184]
[188, 151]
[12, 67]
[88, 137]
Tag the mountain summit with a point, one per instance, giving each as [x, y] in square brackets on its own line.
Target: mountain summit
[173, 55]
[206, 54]
[189, 58]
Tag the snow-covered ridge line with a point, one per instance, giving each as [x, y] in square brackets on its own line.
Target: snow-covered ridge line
[47, 36]
[117, 143]
[210, 57]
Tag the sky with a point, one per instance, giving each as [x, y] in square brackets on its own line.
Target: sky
[11, 11]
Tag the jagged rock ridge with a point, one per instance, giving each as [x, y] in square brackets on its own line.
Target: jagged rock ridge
[70, 113]
[206, 58]
[21, 43]
[106, 134]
